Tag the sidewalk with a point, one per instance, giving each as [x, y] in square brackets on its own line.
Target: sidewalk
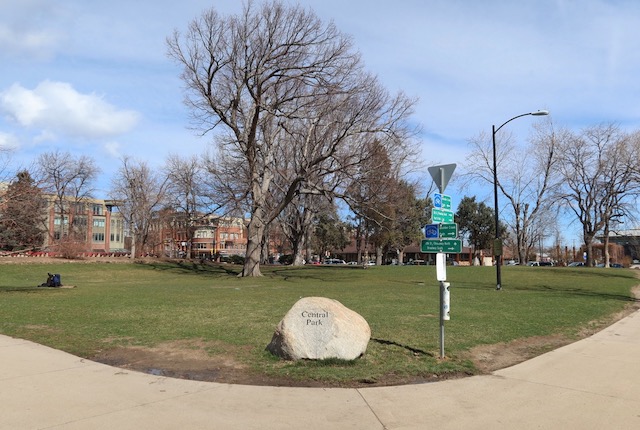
[591, 384]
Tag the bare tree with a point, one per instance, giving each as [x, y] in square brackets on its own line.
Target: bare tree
[69, 180]
[296, 223]
[527, 177]
[621, 185]
[140, 193]
[276, 76]
[599, 176]
[187, 191]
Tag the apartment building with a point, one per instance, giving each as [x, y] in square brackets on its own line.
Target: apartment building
[92, 225]
[212, 236]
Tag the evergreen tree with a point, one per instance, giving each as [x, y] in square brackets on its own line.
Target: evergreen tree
[22, 215]
[476, 223]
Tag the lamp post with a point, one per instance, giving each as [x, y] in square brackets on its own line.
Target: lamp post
[497, 244]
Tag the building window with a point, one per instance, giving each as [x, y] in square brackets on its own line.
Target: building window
[98, 237]
[57, 220]
[80, 221]
[97, 209]
[98, 222]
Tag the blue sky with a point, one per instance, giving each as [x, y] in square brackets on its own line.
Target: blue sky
[93, 78]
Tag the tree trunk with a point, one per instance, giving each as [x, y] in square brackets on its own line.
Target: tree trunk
[379, 254]
[298, 250]
[588, 241]
[606, 247]
[255, 233]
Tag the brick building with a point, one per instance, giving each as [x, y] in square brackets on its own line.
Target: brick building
[92, 225]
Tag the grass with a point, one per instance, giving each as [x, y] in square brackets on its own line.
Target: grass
[148, 304]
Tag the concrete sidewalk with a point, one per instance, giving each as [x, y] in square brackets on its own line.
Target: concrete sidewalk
[591, 384]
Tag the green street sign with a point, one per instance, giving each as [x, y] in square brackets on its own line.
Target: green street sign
[448, 230]
[441, 215]
[445, 246]
[446, 202]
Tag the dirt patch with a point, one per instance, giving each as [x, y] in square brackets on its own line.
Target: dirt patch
[191, 360]
[187, 360]
[489, 358]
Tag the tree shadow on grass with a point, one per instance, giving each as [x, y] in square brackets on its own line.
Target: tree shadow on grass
[564, 291]
[318, 273]
[195, 266]
[28, 290]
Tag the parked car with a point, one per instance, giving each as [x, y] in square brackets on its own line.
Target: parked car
[416, 263]
[576, 264]
[612, 265]
[334, 261]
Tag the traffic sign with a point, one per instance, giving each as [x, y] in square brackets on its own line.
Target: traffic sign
[446, 246]
[431, 231]
[441, 175]
[441, 215]
[442, 201]
[448, 230]
[441, 231]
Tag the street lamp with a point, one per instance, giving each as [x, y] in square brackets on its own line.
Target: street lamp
[497, 244]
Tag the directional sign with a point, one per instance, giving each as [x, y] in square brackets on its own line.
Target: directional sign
[442, 201]
[431, 231]
[448, 230]
[447, 246]
[441, 215]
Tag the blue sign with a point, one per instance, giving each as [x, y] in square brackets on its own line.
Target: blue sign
[437, 200]
[431, 231]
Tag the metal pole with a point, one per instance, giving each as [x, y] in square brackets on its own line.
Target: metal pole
[441, 319]
[495, 201]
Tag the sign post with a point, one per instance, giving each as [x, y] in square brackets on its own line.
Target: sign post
[441, 238]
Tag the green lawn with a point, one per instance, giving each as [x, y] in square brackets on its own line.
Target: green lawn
[148, 304]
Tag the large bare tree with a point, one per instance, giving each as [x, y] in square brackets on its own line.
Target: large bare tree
[140, 193]
[599, 169]
[277, 82]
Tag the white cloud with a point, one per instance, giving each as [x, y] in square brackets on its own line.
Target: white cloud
[7, 141]
[57, 108]
[113, 149]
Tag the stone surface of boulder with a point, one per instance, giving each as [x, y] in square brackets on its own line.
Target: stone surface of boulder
[319, 328]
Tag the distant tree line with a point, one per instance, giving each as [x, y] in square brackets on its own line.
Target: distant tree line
[592, 175]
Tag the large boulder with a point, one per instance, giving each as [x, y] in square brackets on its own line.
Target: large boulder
[318, 328]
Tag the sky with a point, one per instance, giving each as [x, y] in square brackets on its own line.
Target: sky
[93, 78]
